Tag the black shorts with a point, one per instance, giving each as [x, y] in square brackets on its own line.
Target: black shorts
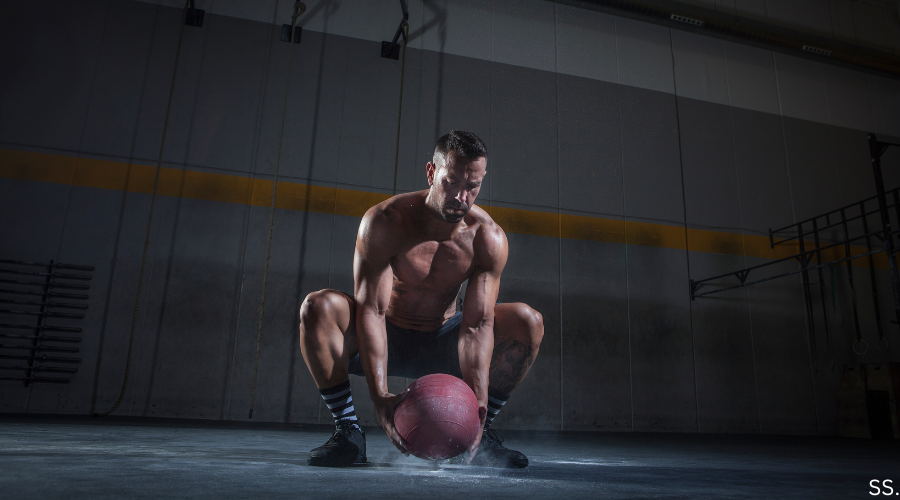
[413, 354]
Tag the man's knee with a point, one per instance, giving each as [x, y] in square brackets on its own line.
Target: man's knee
[321, 305]
[530, 324]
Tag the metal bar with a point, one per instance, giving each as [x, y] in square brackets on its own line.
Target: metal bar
[826, 216]
[876, 149]
[71, 286]
[807, 302]
[785, 259]
[61, 305]
[871, 260]
[42, 264]
[810, 322]
[41, 369]
[57, 295]
[852, 284]
[828, 226]
[47, 338]
[822, 291]
[41, 347]
[885, 234]
[896, 207]
[27, 380]
[82, 277]
[46, 328]
[35, 342]
[48, 314]
[783, 275]
[835, 211]
[42, 358]
[44, 314]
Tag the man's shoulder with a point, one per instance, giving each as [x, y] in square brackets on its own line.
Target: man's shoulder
[484, 222]
[489, 236]
[393, 210]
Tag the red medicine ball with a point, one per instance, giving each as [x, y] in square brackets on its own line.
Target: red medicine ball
[439, 417]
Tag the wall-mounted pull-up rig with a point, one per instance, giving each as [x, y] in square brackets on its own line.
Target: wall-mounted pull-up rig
[818, 249]
[36, 304]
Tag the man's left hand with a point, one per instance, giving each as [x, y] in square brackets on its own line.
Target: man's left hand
[482, 417]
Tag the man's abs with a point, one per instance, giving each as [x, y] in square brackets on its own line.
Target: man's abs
[423, 310]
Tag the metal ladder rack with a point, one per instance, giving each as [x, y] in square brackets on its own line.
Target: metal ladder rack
[38, 323]
[814, 248]
[818, 249]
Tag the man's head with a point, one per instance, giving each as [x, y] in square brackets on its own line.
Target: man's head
[455, 174]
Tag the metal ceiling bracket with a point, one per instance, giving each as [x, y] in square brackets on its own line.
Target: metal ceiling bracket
[286, 33]
[391, 50]
[193, 16]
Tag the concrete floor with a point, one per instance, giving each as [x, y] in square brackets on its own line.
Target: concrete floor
[80, 457]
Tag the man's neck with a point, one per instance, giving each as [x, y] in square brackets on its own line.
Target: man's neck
[433, 225]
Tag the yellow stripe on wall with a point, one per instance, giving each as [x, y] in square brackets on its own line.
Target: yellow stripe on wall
[136, 178]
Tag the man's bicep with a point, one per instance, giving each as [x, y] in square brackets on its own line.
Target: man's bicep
[372, 282]
[484, 286]
[481, 296]
[372, 263]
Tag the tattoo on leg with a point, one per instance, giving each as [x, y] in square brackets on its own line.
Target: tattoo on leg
[509, 364]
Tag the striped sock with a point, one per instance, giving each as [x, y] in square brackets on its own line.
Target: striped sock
[495, 402]
[340, 402]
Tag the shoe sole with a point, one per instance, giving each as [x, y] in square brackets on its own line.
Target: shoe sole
[322, 462]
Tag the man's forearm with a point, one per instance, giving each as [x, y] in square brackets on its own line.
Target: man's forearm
[372, 340]
[475, 348]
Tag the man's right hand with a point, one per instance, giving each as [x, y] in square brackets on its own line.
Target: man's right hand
[384, 407]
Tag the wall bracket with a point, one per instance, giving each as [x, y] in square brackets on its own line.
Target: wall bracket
[286, 33]
[193, 16]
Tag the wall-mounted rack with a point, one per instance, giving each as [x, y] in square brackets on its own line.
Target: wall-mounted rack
[38, 323]
[818, 248]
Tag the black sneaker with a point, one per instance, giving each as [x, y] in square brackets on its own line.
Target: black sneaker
[492, 453]
[347, 446]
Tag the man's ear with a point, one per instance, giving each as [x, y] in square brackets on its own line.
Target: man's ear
[430, 168]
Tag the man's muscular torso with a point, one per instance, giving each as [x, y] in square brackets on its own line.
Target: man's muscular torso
[429, 269]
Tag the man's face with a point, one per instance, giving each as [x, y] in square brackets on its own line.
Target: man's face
[455, 185]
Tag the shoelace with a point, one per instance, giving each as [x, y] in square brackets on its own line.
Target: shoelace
[340, 431]
[494, 435]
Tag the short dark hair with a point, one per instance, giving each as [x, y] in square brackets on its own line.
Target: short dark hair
[465, 144]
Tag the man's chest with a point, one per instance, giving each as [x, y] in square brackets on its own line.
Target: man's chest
[441, 264]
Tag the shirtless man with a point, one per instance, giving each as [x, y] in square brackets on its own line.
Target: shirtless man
[413, 252]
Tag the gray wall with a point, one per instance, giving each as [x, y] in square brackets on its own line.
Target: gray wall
[583, 113]
[873, 23]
